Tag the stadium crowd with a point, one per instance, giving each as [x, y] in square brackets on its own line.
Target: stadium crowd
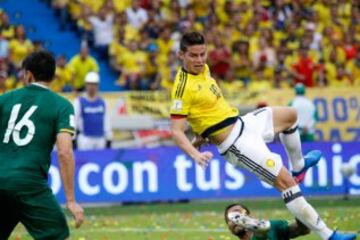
[257, 44]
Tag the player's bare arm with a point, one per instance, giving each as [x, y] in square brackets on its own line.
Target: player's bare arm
[67, 166]
[198, 141]
[177, 129]
[297, 229]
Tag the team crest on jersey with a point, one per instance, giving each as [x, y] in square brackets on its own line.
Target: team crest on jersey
[177, 105]
[270, 163]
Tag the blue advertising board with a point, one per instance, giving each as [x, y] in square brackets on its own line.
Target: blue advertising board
[166, 173]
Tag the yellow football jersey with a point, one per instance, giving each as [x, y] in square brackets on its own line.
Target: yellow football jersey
[354, 69]
[199, 98]
[19, 50]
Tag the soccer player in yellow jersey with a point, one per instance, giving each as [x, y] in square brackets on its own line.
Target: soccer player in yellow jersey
[196, 98]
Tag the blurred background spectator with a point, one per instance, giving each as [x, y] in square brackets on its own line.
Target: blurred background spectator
[306, 112]
[304, 68]
[102, 25]
[136, 15]
[19, 46]
[262, 43]
[60, 8]
[3, 77]
[80, 65]
[4, 46]
[353, 69]
[63, 76]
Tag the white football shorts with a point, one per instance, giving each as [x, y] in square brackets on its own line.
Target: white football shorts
[246, 145]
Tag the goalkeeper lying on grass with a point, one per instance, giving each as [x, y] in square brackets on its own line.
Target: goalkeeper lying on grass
[246, 227]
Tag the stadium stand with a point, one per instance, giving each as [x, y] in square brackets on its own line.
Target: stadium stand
[253, 44]
[283, 42]
[53, 36]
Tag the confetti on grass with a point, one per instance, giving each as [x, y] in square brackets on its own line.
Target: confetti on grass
[196, 222]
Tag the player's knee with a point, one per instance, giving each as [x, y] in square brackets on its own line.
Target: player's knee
[284, 180]
[58, 229]
[291, 116]
[285, 118]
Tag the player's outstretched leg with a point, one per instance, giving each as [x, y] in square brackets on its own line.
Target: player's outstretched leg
[285, 123]
[301, 209]
[311, 159]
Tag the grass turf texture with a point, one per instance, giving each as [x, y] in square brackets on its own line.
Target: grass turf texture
[196, 220]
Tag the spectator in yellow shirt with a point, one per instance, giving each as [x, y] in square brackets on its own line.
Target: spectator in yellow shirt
[165, 43]
[132, 65]
[262, 79]
[19, 47]
[342, 79]
[344, 12]
[201, 9]
[62, 75]
[246, 14]
[240, 62]
[282, 73]
[9, 82]
[330, 68]
[224, 11]
[84, 26]
[353, 68]
[116, 49]
[80, 65]
[120, 6]
[6, 28]
[292, 40]
[323, 10]
[166, 73]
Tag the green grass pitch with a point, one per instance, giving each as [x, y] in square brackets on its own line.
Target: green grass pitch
[195, 221]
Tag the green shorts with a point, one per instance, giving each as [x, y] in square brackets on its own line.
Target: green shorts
[37, 210]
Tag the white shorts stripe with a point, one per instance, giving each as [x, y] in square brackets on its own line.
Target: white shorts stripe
[253, 166]
[250, 151]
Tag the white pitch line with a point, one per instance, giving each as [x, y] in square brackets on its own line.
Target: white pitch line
[115, 230]
[149, 230]
[142, 230]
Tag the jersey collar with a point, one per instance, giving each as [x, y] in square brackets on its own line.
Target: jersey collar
[184, 70]
[39, 85]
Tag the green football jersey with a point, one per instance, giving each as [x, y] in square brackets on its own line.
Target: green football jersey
[279, 230]
[30, 119]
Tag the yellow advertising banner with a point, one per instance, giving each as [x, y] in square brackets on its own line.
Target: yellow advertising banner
[155, 103]
[338, 109]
